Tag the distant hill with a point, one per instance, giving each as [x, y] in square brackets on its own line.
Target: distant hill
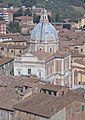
[72, 9]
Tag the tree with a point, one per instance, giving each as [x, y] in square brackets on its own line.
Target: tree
[36, 18]
[28, 3]
[28, 12]
[68, 26]
[49, 18]
[18, 13]
[13, 27]
[10, 4]
[57, 17]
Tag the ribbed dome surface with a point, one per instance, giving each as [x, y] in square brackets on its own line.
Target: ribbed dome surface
[44, 31]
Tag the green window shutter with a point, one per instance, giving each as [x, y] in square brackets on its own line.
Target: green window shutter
[72, 109]
[82, 108]
[19, 118]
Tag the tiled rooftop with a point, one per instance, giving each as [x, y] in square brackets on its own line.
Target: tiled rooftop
[50, 87]
[80, 61]
[43, 105]
[43, 55]
[10, 46]
[47, 105]
[4, 60]
[61, 54]
[22, 18]
[70, 38]
[39, 103]
[8, 89]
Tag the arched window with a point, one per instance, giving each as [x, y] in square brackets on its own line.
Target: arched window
[51, 50]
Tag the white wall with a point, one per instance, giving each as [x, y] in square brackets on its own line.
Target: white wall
[29, 62]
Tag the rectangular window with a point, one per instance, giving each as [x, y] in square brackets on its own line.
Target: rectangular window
[11, 51]
[29, 71]
[82, 108]
[20, 51]
[44, 91]
[76, 47]
[81, 50]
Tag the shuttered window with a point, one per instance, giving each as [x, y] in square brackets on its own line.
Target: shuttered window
[82, 108]
[72, 110]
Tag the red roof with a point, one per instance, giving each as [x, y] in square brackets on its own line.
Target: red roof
[21, 18]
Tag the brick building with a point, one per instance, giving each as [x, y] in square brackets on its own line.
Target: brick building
[2, 27]
[26, 24]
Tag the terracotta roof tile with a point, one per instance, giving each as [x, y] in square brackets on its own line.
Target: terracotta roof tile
[50, 87]
[8, 93]
[4, 60]
[43, 55]
[60, 54]
[22, 18]
[43, 104]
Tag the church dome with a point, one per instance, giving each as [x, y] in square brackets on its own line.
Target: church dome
[44, 31]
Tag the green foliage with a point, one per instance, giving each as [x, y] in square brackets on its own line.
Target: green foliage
[28, 12]
[28, 3]
[13, 27]
[18, 13]
[36, 18]
[21, 12]
[12, 2]
[61, 9]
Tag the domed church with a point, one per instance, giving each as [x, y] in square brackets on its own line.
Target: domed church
[44, 36]
[54, 68]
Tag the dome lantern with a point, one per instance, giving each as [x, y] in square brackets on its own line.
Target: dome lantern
[44, 16]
